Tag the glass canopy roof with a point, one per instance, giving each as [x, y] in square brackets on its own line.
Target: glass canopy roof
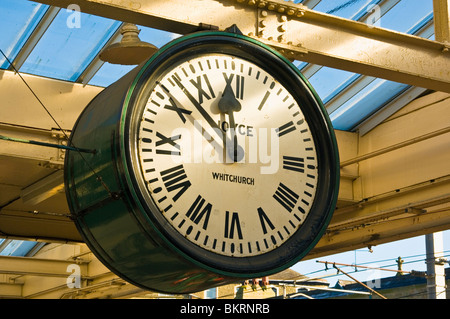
[64, 53]
[39, 40]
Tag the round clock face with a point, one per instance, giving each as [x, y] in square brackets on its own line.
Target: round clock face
[226, 158]
[227, 155]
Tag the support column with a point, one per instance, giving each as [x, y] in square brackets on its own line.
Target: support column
[434, 244]
[442, 20]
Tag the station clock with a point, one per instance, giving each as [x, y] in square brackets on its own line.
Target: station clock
[215, 161]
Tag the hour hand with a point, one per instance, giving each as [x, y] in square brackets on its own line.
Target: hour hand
[229, 104]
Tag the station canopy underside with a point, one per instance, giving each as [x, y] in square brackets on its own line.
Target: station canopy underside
[56, 50]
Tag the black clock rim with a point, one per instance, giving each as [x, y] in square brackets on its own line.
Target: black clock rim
[300, 243]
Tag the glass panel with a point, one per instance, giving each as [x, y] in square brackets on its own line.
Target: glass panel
[326, 80]
[156, 37]
[17, 20]
[109, 73]
[402, 17]
[345, 8]
[300, 64]
[18, 248]
[365, 103]
[406, 14]
[9, 249]
[69, 45]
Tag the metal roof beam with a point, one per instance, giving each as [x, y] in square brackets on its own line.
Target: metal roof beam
[54, 157]
[402, 184]
[10, 290]
[387, 110]
[43, 189]
[383, 6]
[33, 225]
[298, 32]
[442, 20]
[39, 266]
[64, 100]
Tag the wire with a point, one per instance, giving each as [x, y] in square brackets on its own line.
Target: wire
[363, 270]
[445, 253]
[422, 292]
[64, 147]
[31, 90]
[97, 176]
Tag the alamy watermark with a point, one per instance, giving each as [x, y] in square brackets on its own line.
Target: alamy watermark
[224, 145]
[73, 20]
[74, 279]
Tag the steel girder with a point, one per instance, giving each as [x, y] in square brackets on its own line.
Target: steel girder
[298, 32]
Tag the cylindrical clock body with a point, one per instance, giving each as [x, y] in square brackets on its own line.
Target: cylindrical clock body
[106, 214]
[167, 219]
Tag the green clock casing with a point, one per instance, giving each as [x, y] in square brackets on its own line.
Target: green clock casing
[215, 161]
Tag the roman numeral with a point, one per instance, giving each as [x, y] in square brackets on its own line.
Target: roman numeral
[197, 211]
[180, 111]
[263, 219]
[167, 140]
[286, 128]
[240, 87]
[201, 92]
[286, 197]
[295, 164]
[266, 96]
[240, 82]
[175, 178]
[232, 225]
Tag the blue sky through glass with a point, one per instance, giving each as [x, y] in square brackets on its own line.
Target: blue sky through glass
[411, 250]
[18, 248]
[365, 102]
[345, 8]
[66, 48]
[406, 16]
[326, 80]
[17, 20]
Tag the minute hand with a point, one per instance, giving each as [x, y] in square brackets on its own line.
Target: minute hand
[202, 111]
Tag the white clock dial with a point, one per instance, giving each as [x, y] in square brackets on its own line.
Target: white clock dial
[242, 201]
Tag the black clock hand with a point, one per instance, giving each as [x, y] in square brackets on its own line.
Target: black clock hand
[197, 105]
[204, 114]
[177, 107]
[229, 104]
